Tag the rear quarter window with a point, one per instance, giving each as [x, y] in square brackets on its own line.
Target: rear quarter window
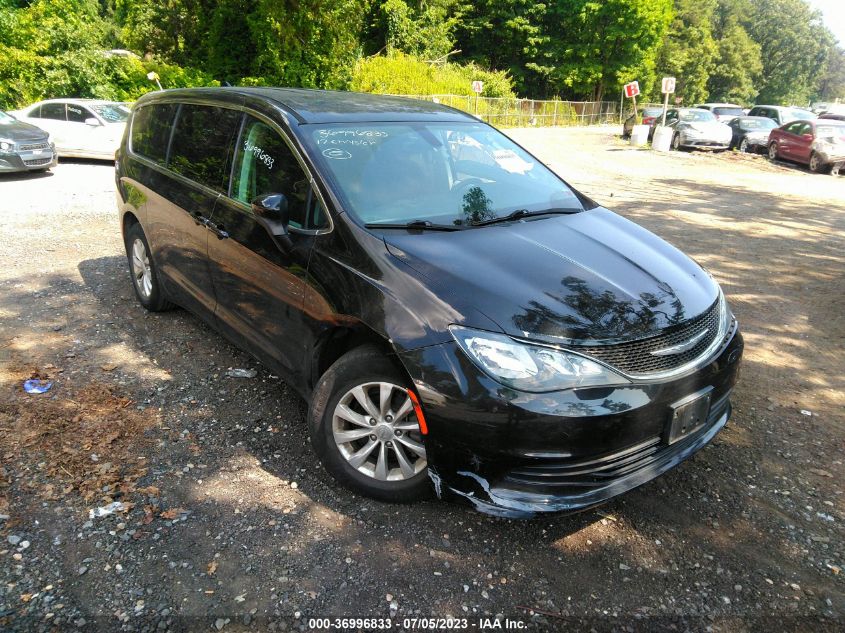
[151, 127]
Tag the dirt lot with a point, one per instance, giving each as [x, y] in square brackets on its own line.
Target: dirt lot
[229, 524]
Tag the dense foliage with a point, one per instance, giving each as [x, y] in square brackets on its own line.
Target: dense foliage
[777, 51]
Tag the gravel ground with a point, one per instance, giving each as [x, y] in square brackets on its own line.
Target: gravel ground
[228, 523]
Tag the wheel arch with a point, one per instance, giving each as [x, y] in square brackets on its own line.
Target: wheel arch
[337, 341]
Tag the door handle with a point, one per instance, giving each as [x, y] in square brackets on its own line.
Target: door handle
[199, 218]
[219, 230]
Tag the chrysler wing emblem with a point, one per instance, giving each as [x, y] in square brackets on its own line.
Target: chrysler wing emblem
[681, 347]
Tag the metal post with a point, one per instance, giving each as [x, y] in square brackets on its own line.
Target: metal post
[665, 107]
[554, 116]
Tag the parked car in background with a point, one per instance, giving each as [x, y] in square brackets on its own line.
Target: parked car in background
[819, 144]
[782, 114]
[696, 128]
[648, 114]
[836, 116]
[724, 112]
[457, 316]
[24, 147]
[80, 128]
[751, 133]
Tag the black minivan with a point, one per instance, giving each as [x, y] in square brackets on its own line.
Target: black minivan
[457, 316]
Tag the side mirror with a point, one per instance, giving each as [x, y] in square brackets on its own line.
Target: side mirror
[271, 212]
[92, 122]
[807, 137]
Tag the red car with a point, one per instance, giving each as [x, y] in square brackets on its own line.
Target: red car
[819, 143]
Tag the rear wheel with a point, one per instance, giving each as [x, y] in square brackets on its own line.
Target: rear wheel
[365, 430]
[773, 151]
[836, 169]
[816, 163]
[144, 273]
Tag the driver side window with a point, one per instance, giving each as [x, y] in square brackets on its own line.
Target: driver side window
[264, 163]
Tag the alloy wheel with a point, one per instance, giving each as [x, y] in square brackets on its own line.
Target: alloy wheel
[815, 163]
[142, 272]
[743, 146]
[773, 151]
[376, 430]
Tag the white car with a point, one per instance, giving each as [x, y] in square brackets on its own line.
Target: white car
[80, 128]
[724, 112]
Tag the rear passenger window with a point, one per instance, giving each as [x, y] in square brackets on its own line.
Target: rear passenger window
[55, 111]
[264, 163]
[151, 127]
[201, 143]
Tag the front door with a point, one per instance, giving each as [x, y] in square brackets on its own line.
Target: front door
[260, 288]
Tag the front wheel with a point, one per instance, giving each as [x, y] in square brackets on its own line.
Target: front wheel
[773, 151]
[676, 142]
[365, 429]
[743, 145]
[836, 169]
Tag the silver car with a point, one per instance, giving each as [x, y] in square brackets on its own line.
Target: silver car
[697, 128]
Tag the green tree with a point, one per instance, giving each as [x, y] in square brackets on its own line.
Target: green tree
[832, 83]
[602, 45]
[419, 28]
[509, 35]
[688, 50]
[738, 67]
[794, 44]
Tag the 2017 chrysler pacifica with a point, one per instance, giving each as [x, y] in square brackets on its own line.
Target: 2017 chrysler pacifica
[458, 317]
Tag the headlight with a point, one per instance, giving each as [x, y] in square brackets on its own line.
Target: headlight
[6, 145]
[531, 367]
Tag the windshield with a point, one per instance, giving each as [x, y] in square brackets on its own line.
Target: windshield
[444, 173]
[111, 112]
[6, 118]
[653, 112]
[697, 115]
[758, 124]
[801, 114]
[728, 111]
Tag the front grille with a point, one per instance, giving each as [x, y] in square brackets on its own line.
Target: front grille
[635, 357]
[35, 162]
[583, 475]
[32, 146]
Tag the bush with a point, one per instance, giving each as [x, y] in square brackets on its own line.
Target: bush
[397, 73]
[26, 77]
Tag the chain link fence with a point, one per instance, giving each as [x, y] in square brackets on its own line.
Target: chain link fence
[510, 112]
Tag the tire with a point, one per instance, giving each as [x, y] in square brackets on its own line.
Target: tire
[773, 151]
[836, 169]
[356, 464]
[676, 142]
[816, 165]
[143, 271]
[743, 145]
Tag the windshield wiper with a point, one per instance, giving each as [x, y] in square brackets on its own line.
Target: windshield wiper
[523, 213]
[414, 225]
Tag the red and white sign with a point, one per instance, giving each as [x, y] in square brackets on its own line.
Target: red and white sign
[632, 89]
[477, 86]
[668, 85]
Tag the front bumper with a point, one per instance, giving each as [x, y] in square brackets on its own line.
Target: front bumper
[517, 454]
[28, 159]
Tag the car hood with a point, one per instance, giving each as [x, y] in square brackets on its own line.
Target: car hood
[709, 127]
[18, 131]
[588, 276]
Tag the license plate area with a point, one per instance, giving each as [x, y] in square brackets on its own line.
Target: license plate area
[688, 415]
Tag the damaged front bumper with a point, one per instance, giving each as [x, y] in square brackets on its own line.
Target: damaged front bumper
[517, 454]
